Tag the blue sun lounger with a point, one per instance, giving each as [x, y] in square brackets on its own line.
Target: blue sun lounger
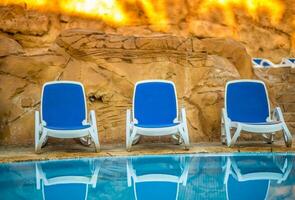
[72, 183]
[289, 61]
[157, 178]
[249, 177]
[262, 63]
[64, 114]
[265, 63]
[246, 108]
[155, 112]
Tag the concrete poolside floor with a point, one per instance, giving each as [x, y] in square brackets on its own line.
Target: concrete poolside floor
[65, 151]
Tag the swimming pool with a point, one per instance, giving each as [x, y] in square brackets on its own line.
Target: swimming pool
[200, 176]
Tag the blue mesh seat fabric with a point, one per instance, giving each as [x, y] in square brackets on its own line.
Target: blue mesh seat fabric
[155, 105]
[63, 106]
[247, 102]
[259, 61]
[65, 191]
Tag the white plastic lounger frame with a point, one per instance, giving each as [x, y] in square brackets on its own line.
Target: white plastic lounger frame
[288, 61]
[131, 175]
[265, 63]
[41, 132]
[232, 169]
[41, 178]
[275, 122]
[133, 132]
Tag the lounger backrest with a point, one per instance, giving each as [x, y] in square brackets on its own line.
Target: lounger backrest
[155, 102]
[246, 101]
[63, 104]
[260, 61]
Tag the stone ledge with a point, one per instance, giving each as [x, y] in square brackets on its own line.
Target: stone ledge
[54, 152]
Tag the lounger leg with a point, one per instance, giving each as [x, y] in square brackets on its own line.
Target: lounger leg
[131, 138]
[37, 130]
[236, 135]
[128, 129]
[227, 128]
[287, 135]
[41, 141]
[184, 132]
[94, 131]
[223, 135]
[278, 114]
[94, 137]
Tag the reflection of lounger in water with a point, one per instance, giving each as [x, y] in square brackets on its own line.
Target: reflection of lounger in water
[249, 177]
[157, 178]
[66, 180]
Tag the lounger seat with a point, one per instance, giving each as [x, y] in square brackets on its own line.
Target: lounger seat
[155, 113]
[156, 125]
[265, 63]
[64, 114]
[262, 123]
[246, 108]
[289, 61]
[68, 128]
[261, 62]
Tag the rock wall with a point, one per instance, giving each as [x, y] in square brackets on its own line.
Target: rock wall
[109, 65]
[281, 85]
[198, 52]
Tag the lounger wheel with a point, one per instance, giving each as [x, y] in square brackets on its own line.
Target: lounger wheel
[86, 141]
[177, 139]
[136, 139]
[269, 138]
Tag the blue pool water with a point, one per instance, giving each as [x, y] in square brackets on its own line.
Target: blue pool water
[200, 176]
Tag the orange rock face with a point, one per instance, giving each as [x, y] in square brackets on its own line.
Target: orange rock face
[199, 53]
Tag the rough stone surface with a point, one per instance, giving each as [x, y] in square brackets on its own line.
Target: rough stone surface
[198, 52]
[109, 69]
[9, 46]
[281, 85]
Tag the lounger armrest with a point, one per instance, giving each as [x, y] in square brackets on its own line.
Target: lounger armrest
[278, 114]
